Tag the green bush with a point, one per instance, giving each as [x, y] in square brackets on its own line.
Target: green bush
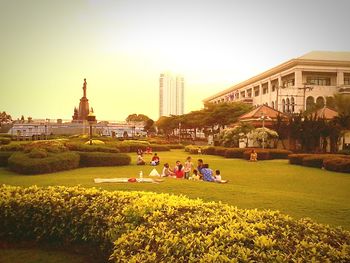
[346, 152]
[80, 147]
[12, 147]
[52, 146]
[149, 227]
[262, 154]
[21, 163]
[279, 153]
[337, 164]
[94, 159]
[4, 156]
[4, 140]
[210, 150]
[38, 153]
[297, 158]
[235, 153]
[221, 151]
[173, 146]
[159, 148]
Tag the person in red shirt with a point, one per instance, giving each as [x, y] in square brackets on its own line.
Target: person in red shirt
[179, 170]
[155, 159]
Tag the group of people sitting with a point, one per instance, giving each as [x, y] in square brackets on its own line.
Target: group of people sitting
[186, 171]
[154, 161]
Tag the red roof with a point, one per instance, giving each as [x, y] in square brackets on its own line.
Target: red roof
[326, 113]
[262, 110]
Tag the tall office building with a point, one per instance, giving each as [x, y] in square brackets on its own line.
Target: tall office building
[171, 95]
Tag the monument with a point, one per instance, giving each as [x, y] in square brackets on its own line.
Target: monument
[81, 113]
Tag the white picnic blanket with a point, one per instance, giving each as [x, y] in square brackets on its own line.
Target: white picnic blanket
[123, 180]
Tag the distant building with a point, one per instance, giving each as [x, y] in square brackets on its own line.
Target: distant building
[294, 85]
[171, 95]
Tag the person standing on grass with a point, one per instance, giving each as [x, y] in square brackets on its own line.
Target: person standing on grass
[188, 167]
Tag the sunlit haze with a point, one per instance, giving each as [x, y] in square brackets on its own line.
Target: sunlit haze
[48, 47]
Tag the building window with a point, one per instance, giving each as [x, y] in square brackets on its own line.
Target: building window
[265, 90]
[292, 102]
[347, 81]
[283, 105]
[249, 93]
[287, 102]
[310, 102]
[320, 102]
[256, 92]
[272, 105]
[273, 88]
[289, 83]
[242, 94]
[318, 81]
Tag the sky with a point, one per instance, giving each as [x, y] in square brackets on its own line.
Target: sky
[48, 47]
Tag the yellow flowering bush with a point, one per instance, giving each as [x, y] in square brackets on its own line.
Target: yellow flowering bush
[148, 227]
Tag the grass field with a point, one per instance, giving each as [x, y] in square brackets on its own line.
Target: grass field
[295, 190]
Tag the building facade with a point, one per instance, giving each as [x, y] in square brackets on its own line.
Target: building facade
[171, 95]
[296, 84]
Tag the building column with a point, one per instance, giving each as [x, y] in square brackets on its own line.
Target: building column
[278, 92]
[269, 90]
[340, 78]
[298, 78]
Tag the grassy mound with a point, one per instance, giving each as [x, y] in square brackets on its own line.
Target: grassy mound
[148, 227]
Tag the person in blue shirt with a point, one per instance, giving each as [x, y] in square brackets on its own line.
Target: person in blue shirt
[207, 173]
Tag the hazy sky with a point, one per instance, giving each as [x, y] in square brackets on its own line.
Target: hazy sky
[48, 47]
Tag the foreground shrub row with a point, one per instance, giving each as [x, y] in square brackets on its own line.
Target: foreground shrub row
[148, 227]
[331, 162]
[242, 153]
[94, 159]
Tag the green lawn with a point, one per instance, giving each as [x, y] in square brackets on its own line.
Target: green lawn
[295, 190]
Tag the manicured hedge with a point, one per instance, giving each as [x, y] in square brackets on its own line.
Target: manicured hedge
[4, 140]
[52, 146]
[297, 158]
[337, 164]
[80, 147]
[4, 156]
[94, 159]
[235, 153]
[38, 153]
[12, 147]
[262, 154]
[173, 146]
[21, 163]
[149, 227]
[279, 153]
[221, 151]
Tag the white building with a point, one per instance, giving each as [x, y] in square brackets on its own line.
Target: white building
[171, 95]
[295, 84]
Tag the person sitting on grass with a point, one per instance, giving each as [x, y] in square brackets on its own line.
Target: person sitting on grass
[148, 150]
[253, 156]
[139, 160]
[207, 173]
[195, 175]
[167, 171]
[200, 166]
[179, 172]
[155, 160]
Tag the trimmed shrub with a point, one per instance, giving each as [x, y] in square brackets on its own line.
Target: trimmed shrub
[12, 147]
[221, 151]
[159, 148]
[38, 153]
[337, 164]
[4, 140]
[313, 161]
[235, 153]
[79, 147]
[126, 231]
[4, 156]
[262, 154]
[173, 146]
[52, 146]
[21, 163]
[279, 153]
[94, 159]
[208, 150]
[346, 152]
[297, 158]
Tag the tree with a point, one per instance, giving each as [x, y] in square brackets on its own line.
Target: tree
[264, 135]
[5, 118]
[149, 126]
[230, 137]
[137, 118]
